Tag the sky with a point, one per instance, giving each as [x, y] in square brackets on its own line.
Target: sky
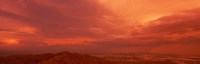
[101, 26]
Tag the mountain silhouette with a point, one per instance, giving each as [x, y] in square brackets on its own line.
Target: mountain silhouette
[57, 58]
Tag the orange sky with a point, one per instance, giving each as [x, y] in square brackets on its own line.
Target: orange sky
[145, 10]
[118, 26]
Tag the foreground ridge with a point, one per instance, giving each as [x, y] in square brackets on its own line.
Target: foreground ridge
[50, 58]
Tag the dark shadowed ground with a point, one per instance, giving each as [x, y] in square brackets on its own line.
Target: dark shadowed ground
[76, 58]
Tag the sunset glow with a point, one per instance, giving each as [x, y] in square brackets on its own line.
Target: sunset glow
[11, 41]
[101, 26]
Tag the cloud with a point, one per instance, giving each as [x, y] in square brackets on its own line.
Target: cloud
[91, 26]
[34, 22]
[179, 22]
[168, 33]
[182, 25]
[74, 19]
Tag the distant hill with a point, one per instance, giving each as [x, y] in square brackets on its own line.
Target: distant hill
[76, 58]
[13, 52]
[57, 58]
